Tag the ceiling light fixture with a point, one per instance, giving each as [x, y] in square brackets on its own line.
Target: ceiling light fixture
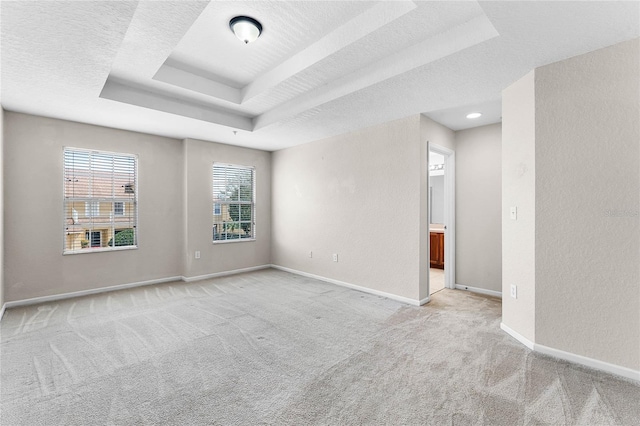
[245, 28]
[474, 115]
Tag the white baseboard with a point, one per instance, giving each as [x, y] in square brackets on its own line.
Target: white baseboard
[618, 370]
[402, 299]
[224, 273]
[589, 362]
[479, 290]
[519, 337]
[62, 296]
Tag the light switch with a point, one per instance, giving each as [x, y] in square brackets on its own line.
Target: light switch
[513, 214]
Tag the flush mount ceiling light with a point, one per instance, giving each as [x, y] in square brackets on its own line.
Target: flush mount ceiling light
[245, 28]
[474, 115]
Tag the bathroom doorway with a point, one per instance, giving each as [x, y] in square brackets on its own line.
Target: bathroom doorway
[441, 219]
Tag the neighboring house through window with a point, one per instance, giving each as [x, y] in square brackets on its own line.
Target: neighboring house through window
[118, 208]
[104, 186]
[92, 208]
[233, 202]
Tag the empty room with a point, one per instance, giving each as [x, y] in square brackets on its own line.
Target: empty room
[320, 212]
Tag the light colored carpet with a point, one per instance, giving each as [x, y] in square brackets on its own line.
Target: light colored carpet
[274, 348]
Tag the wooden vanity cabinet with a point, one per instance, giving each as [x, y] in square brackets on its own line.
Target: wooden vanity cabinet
[437, 249]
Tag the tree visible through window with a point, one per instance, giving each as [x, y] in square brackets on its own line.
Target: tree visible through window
[103, 186]
[233, 202]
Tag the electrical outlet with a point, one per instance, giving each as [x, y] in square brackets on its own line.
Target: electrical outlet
[310, 254]
[514, 291]
[197, 254]
[335, 257]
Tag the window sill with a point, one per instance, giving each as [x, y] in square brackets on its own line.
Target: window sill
[235, 240]
[98, 250]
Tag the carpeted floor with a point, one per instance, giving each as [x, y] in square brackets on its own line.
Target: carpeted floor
[273, 348]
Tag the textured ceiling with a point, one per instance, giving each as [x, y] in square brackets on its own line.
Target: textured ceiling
[319, 68]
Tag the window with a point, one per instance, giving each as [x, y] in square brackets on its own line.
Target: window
[94, 238]
[233, 202]
[118, 208]
[92, 208]
[104, 186]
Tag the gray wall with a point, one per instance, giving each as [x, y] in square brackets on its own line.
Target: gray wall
[358, 195]
[478, 207]
[199, 157]
[518, 189]
[34, 264]
[1, 208]
[571, 157]
[587, 163]
[175, 206]
[437, 198]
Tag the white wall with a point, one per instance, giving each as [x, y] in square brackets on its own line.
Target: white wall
[518, 190]
[358, 195]
[587, 163]
[199, 159]
[478, 207]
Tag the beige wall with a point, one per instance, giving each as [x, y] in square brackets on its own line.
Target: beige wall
[175, 209]
[199, 157]
[587, 163]
[34, 264]
[436, 133]
[357, 195]
[478, 207]
[1, 208]
[430, 133]
[518, 190]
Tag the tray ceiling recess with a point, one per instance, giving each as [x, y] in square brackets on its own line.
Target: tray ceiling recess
[319, 68]
[309, 54]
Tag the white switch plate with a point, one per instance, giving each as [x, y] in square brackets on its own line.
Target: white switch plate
[513, 213]
[335, 257]
[514, 291]
[310, 254]
[197, 254]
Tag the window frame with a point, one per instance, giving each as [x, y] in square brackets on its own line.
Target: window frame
[123, 210]
[92, 209]
[131, 188]
[222, 203]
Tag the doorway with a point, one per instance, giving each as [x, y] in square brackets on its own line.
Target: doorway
[441, 219]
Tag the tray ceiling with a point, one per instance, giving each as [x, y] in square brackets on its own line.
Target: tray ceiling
[319, 68]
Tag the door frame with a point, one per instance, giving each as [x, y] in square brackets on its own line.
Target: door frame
[449, 213]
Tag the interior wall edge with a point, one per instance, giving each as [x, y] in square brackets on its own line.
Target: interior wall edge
[407, 300]
[224, 273]
[82, 293]
[595, 364]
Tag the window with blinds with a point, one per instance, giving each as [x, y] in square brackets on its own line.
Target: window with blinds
[100, 201]
[233, 203]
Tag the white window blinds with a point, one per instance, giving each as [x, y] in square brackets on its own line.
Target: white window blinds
[233, 202]
[100, 201]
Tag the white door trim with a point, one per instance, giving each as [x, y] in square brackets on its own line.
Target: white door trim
[449, 213]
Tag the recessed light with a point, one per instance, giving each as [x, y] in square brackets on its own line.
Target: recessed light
[474, 115]
[245, 28]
